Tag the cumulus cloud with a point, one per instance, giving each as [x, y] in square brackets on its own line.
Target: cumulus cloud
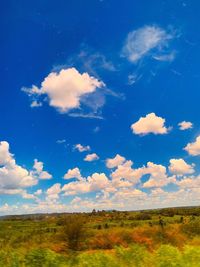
[26, 195]
[147, 40]
[82, 148]
[123, 199]
[158, 176]
[95, 182]
[129, 195]
[19, 191]
[189, 182]
[180, 167]
[14, 178]
[184, 125]
[64, 89]
[5, 156]
[125, 171]
[98, 181]
[77, 187]
[91, 157]
[73, 173]
[12, 175]
[53, 191]
[114, 162]
[39, 172]
[150, 124]
[38, 192]
[193, 148]
[125, 175]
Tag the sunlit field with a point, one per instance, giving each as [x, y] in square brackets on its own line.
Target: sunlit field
[167, 237]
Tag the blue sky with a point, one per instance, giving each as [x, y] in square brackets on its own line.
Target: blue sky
[99, 105]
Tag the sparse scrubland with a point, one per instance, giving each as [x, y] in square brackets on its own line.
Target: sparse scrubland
[165, 237]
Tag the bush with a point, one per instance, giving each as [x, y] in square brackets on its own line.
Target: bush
[9, 259]
[192, 227]
[168, 256]
[135, 255]
[143, 216]
[42, 257]
[73, 231]
[98, 259]
[191, 256]
[106, 240]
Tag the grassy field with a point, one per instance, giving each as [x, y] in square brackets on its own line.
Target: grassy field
[165, 237]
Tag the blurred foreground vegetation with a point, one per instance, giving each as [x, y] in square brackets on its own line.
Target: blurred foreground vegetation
[164, 237]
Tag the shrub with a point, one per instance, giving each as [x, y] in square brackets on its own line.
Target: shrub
[135, 255]
[41, 257]
[73, 231]
[143, 216]
[108, 239]
[9, 259]
[98, 259]
[192, 227]
[139, 237]
[191, 256]
[168, 256]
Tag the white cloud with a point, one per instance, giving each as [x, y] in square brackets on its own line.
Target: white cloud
[53, 191]
[146, 40]
[125, 175]
[91, 115]
[82, 148]
[77, 187]
[36, 104]
[189, 182]
[165, 57]
[65, 89]
[5, 155]
[45, 175]
[26, 195]
[158, 176]
[91, 157]
[95, 182]
[12, 175]
[93, 61]
[98, 181]
[114, 162]
[19, 191]
[38, 192]
[73, 173]
[122, 199]
[128, 194]
[180, 167]
[61, 141]
[76, 200]
[14, 178]
[150, 124]
[184, 125]
[193, 148]
[39, 172]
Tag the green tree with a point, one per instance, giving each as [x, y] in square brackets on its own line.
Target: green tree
[74, 231]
